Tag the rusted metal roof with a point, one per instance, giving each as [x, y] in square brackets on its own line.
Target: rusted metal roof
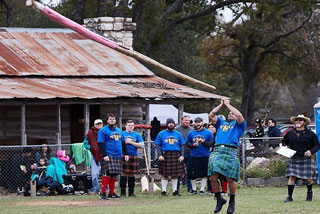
[152, 87]
[59, 63]
[61, 52]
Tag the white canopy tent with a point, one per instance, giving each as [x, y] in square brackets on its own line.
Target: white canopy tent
[163, 112]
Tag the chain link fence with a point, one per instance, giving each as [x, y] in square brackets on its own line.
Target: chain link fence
[259, 159]
[19, 163]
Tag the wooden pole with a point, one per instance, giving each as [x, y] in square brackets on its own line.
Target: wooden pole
[58, 18]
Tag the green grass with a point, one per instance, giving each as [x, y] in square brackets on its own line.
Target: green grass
[248, 200]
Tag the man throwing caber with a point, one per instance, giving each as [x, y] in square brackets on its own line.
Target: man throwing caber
[224, 159]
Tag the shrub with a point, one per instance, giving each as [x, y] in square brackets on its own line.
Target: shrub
[275, 168]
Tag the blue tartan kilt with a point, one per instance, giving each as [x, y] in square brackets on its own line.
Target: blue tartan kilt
[225, 161]
[302, 167]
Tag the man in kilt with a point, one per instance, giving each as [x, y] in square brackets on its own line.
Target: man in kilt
[301, 165]
[224, 159]
[133, 141]
[199, 140]
[170, 147]
[111, 147]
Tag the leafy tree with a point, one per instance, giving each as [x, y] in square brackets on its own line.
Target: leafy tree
[271, 41]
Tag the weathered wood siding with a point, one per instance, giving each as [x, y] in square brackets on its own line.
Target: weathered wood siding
[41, 121]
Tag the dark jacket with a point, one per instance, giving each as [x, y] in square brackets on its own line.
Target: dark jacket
[301, 141]
[274, 132]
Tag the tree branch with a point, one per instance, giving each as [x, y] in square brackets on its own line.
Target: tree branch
[276, 39]
[209, 9]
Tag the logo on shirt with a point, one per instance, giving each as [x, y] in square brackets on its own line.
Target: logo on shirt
[198, 139]
[130, 139]
[225, 128]
[115, 136]
[171, 140]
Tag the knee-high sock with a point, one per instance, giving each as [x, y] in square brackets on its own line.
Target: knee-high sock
[309, 187]
[290, 189]
[104, 183]
[174, 183]
[203, 184]
[224, 186]
[123, 181]
[112, 182]
[164, 184]
[194, 185]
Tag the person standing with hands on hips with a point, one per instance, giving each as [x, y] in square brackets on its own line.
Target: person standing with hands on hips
[301, 165]
[111, 147]
[224, 158]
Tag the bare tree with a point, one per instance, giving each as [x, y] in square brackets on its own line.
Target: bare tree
[8, 12]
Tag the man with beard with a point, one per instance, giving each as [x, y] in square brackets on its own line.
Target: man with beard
[224, 159]
[90, 143]
[133, 141]
[301, 165]
[199, 141]
[170, 148]
[111, 147]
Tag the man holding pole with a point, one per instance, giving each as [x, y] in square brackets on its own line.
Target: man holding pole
[224, 159]
[133, 141]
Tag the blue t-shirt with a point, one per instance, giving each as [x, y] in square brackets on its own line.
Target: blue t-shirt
[112, 140]
[229, 133]
[200, 136]
[169, 140]
[135, 138]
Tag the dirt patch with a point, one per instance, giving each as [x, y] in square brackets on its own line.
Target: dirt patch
[86, 203]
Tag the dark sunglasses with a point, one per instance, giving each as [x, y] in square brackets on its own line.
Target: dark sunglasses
[299, 119]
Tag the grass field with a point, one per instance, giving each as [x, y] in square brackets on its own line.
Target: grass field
[248, 200]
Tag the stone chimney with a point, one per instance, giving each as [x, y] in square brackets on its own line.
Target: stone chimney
[117, 29]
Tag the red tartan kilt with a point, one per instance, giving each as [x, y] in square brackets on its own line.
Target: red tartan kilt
[171, 166]
[132, 166]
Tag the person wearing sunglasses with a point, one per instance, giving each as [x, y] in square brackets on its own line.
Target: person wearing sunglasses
[301, 165]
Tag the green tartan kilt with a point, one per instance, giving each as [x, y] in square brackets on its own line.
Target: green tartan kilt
[225, 161]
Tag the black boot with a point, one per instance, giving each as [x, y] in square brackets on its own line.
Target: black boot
[309, 196]
[231, 207]
[131, 184]
[220, 202]
[123, 185]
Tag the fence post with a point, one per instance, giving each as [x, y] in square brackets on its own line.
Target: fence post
[243, 144]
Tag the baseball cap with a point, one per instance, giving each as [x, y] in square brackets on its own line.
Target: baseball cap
[97, 121]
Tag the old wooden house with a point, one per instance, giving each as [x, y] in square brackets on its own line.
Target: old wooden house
[55, 82]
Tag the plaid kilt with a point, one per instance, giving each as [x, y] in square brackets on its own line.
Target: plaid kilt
[132, 166]
[113, 166]
[198, 167]
[302, 167]
[171, 166]
[224, 160]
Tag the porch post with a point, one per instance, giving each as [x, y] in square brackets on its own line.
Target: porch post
[59, 124]
[86, 118]
[120, 111]
[180, 112]
[23, 124]
[147, 134]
